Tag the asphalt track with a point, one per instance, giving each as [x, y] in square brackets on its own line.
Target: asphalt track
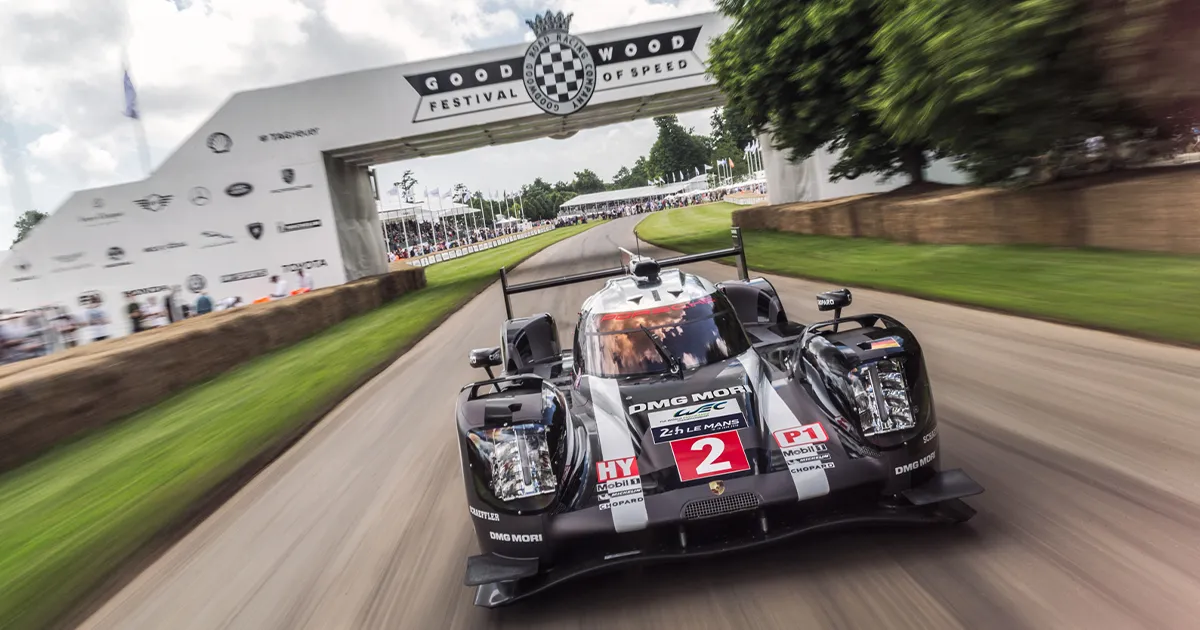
[1086, 442]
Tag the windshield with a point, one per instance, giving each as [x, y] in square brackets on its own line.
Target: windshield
[695, 333]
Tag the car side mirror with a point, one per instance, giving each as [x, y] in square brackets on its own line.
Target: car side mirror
[834, 301]
[486, 358]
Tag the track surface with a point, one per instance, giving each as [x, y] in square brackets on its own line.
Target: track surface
[1086, 442]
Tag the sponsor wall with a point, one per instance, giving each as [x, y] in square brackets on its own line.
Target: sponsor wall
[271, 181]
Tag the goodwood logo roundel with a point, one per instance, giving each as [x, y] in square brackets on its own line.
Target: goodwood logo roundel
[558, 70]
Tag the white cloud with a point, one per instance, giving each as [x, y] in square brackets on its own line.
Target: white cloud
[60, 77]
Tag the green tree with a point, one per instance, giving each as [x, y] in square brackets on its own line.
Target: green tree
[587, 182]
[731, 127]
[408, 182]
[804, 69]
[998, 83]
[460, 193]
[26, 222]
[676, 149]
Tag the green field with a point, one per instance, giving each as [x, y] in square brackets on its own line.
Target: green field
[71, 517]
[1150, 295]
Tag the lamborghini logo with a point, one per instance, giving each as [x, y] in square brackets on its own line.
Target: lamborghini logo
[717, 487]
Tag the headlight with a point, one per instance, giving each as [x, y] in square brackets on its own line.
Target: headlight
[520, 460]
[881, 395]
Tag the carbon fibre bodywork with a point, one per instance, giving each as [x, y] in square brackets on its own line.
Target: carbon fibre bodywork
[767, 440]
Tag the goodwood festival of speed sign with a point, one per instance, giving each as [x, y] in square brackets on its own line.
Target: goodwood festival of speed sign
[559, 72]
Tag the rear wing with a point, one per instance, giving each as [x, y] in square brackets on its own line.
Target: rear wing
[737, 250]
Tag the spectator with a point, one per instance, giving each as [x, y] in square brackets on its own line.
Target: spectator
[136, 317]
[67, 328]
[204, 304]
[280, 288]
[228, 303]
[173, 305]
[306, 282]
[97, 320]
[156, 315]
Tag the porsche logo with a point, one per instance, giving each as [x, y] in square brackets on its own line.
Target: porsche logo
[717, 487]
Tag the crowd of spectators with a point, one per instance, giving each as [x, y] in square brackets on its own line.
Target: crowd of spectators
[42, 331]
[426, 237]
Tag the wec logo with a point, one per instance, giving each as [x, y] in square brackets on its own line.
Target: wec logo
[702, 409]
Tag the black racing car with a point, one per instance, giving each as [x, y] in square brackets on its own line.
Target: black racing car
[690, 418]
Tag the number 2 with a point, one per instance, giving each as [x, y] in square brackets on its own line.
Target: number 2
[710, 465]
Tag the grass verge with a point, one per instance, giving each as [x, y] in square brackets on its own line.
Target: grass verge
[1156, 296]
[70, 518]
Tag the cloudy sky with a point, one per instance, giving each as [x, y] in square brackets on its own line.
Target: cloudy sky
[61, 127]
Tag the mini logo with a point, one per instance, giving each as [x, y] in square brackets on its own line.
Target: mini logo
[288, 135]
[240, 189]
[559, 72]
[256, 230]
[308, 264]
[219, 142]
[154, 203]
[199, 196]
[299, 225]
[716, 487]
[196, 283]
[288, 175]
[97, 203]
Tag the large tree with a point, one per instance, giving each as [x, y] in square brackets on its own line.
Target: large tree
[998, 83]
[26, 222]
[676, 149]
[804, 69]
[586, 182]
[731, 127]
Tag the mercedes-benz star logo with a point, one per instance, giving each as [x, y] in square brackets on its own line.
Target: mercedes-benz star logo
[559, 71]
[199, 196]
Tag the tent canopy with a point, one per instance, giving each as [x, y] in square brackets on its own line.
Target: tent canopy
[420, 211]
[623, 195]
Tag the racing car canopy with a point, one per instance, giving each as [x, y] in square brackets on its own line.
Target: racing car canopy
[634, 327]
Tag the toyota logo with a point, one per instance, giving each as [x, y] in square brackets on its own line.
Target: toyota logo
[199, 196]
[240, 189]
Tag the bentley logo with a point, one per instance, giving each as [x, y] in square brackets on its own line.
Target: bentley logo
[288, 175]
[154, 203]
[559, 72]
[717, 487]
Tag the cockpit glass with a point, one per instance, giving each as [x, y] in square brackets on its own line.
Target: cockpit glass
[703, 331]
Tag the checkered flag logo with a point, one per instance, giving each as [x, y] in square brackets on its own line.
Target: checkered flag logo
[560, 74]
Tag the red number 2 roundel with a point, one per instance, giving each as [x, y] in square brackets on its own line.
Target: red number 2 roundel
[709, 455]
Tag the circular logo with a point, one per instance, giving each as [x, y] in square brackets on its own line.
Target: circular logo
[219, 142]
[199, 196]
[196, 283]
[240, 189]
[115, 253]
[559, 73]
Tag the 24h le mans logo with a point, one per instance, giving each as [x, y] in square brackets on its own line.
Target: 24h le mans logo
[558, 70]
